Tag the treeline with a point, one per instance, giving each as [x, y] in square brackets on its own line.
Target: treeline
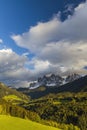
[17, 111]
[64, 108]
[7, 108]
[67, 111]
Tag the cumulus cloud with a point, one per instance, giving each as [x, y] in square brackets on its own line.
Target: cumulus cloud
[57, 44]
[38, 36]
[12, 67]
[14, 70]
[55, 30]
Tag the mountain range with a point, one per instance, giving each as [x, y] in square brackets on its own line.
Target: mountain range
[52, 80]
[55, 84]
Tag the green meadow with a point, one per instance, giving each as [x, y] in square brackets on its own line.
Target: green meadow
[14, 123]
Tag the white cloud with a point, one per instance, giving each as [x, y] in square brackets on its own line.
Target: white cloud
[12, 67]
[58, 47]
[1, 41]
[13, 70]
[41, 65]
[74, 28]
[57, 44]
[10, 60]
[38, 36]
[79, 7]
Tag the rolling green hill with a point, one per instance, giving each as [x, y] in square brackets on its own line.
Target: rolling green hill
[65, 110]
[13, 123]
[11, 95]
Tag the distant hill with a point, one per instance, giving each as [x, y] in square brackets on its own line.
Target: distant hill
[77, 85]
[11, 95]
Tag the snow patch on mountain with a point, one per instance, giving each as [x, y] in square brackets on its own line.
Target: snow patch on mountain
[52, 80]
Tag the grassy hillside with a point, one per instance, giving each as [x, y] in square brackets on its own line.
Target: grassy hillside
[13, 123]
[11, 95]
[66, 110]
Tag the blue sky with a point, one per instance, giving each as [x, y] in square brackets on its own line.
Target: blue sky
[17, 16]
[37, 37]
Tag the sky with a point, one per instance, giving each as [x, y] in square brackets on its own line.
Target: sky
[41, 36]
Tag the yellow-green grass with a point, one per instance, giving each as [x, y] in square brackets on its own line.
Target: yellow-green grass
[14, 99]
[14, 123]
[56, 102]
[11, 98]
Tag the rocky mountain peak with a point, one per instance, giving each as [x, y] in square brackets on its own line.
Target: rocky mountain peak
[53, 80]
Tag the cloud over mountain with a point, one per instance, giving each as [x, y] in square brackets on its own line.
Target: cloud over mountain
[58, 43]
[57, 46]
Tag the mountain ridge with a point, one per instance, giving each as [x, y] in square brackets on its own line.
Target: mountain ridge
[53, 80]
[76, 85]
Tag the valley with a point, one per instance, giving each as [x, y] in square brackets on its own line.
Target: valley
[63, 107]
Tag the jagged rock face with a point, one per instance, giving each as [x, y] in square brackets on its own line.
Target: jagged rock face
[53, 80]
[72, 77]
